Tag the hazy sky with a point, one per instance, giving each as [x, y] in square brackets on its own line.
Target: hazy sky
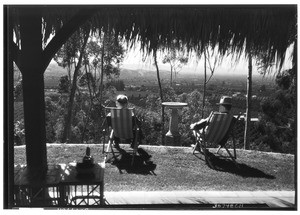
[134, 60]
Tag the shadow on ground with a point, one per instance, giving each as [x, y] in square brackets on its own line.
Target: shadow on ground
[225, 164]
[142, 163]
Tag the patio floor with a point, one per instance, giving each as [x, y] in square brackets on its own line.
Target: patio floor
[221, 199]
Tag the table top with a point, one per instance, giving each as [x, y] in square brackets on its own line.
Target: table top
[174, 104]
[70, 175]
[23, 177]
[57, 174]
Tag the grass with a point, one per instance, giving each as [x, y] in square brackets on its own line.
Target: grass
[176, 168]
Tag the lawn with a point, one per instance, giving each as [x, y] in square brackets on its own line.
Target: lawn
[176, 168]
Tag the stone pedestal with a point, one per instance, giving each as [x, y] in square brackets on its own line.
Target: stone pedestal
[173, 136]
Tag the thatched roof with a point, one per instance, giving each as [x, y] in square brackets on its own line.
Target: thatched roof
[268, 29]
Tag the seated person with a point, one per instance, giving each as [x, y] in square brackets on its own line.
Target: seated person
[225, 107]
[122, 102]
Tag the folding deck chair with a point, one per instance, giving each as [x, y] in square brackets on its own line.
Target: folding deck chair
[123, 126]
[216, 132]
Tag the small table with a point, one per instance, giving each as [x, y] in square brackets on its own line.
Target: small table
[60, 186]
[82, 189]
[173, 125]
[34, 189]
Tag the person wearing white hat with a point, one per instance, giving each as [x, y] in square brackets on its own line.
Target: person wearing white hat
[225, 105]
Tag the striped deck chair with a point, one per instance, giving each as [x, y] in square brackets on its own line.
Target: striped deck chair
[123, 127]
[215, 133]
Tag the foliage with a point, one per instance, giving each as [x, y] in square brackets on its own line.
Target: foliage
[18, 90]
[102, 53]
[87, 78]
[150, 124]
[104, 47]
[262, 88]
[113, 55]
[191, 114]
[87, 122]
[118, 84]
[64, 84]
[66, 56]
[187, 115]
[278, 123]
[176, 59]
[84, 122]
[51, 117]
[19, 132]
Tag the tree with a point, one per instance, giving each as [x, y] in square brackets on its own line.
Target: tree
[68, 57]
[248, 103]
[176, 59]
[113, 54]
[279, 122]
[32, 58]
[161, 96]
[211, 67]
[101, 59]
[92, 59]
[104, 55]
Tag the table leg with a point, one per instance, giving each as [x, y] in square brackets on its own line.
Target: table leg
[102, 200]
[63, 198]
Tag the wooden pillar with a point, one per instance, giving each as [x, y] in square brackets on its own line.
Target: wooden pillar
[9, 110]
[33, 89]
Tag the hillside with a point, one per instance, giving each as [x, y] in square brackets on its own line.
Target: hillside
[141, 73]
[146, 77]
[54, 72]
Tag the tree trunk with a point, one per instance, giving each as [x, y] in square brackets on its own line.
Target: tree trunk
[91, 104]
[68, 122]
[171, 79]
[32, 62]
[204, 86]
[33, 90]
[102, 72]
[248, 104]
[162, 100]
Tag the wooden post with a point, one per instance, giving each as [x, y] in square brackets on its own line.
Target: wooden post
[33, 90]
[9, 110]
[248, 104]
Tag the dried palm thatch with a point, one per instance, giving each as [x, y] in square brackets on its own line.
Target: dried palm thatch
[234, 29]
